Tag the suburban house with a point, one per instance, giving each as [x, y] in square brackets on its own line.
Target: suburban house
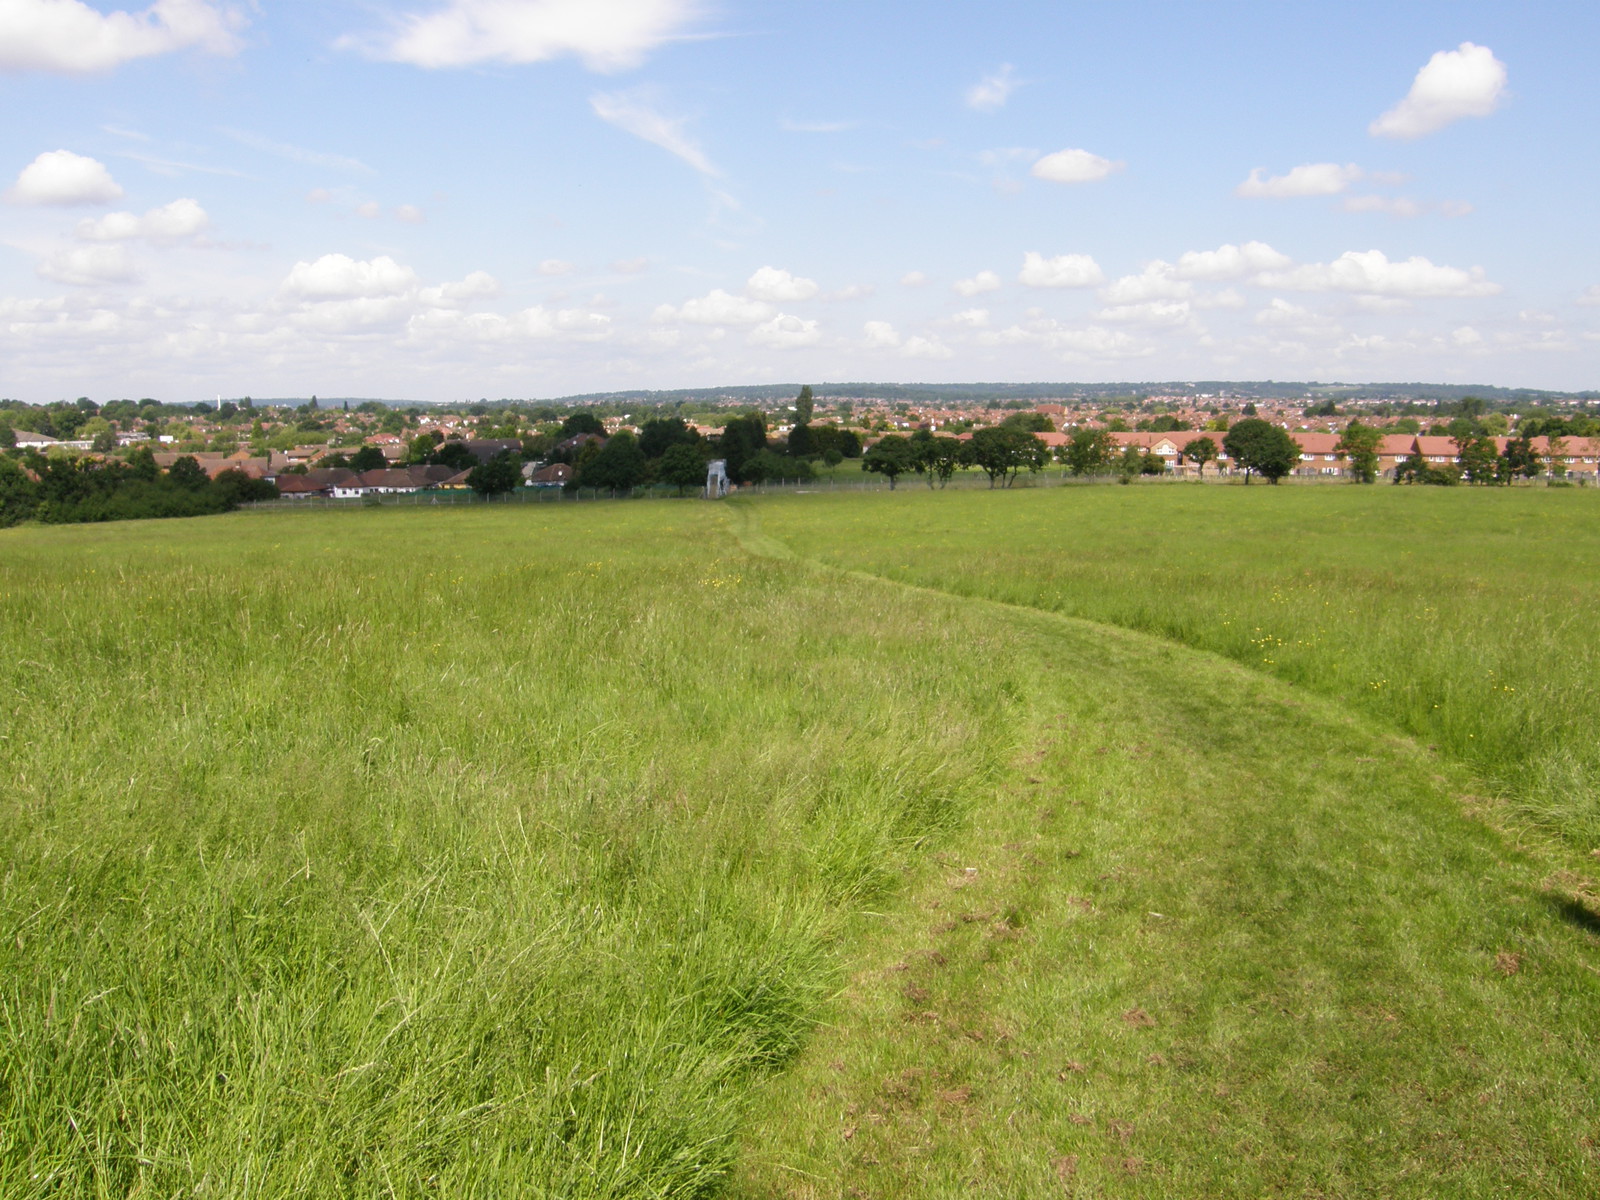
[554, 475]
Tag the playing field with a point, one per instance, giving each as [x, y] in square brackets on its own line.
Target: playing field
[1108, 841]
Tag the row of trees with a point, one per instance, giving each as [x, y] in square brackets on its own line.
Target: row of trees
[68, 491]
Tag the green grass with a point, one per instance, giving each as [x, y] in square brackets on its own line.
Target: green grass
[475, 853]
[1463, 618]
[622, 850]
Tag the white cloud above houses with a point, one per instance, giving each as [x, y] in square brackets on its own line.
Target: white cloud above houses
[70, 37]
[340, 277]
[779, 286]
[60, 177]
[1308, 179]
[90, 266]
[1075, 166]
[1230, 262]
[605, 35]
[1468, 81]
[983, 281]
[1062, 271]
[716, 307]
[1372, 272]
[786, 332]
[178, 221]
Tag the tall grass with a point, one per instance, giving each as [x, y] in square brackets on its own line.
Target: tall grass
[482, 853]
[1463, 617]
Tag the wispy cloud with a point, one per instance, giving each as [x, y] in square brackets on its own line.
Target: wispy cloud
[633, 112]
[167, 166]
[299, 154]
[817, 126]
[991, 92]
[608, 35]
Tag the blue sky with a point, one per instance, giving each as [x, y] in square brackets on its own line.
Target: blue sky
[448, 199]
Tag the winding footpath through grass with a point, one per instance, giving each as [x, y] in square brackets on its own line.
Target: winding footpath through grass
[813, 847]
[1213, 936]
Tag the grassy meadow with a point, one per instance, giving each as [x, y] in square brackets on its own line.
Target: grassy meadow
[1464, 618]
[641, 850]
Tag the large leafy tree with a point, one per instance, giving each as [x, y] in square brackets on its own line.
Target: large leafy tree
[618, 466]
[1261, 448]
[499, 475]
[659, 435]
[1358, 446]
[891, 456]
[1480, 461]
[582, 422]
[742, 438]
[1004, 453]
[1088, 451]
[938, 457]
[1029, 422]
[368, 458]
[1521, 457]
[682, 466]
[1200, 451]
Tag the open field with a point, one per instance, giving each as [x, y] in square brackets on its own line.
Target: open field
[1464, 618]
[623, 850]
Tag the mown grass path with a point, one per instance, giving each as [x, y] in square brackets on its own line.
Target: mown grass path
[1213, 936]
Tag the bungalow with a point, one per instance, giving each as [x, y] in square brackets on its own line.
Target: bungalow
[316, 482]
[554, 475]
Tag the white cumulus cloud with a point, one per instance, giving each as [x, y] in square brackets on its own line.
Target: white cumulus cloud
[778, 286]
[983, 281]
[1075, 166]
[785, 332]
[923, 347]
[880, 335]
[70, 37]
[1231, 262]
[1064, 270]
[340, 277]
[556, 266]
[1371, 272]
[1308, 179]
[1590, 296]
[608, 35]
[1468, 81]
[1158, 281]
[61, 177]
[913, 279]
[86, 266]
[170, 223]
[633, 112]
[717, 307]
[991, 92]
